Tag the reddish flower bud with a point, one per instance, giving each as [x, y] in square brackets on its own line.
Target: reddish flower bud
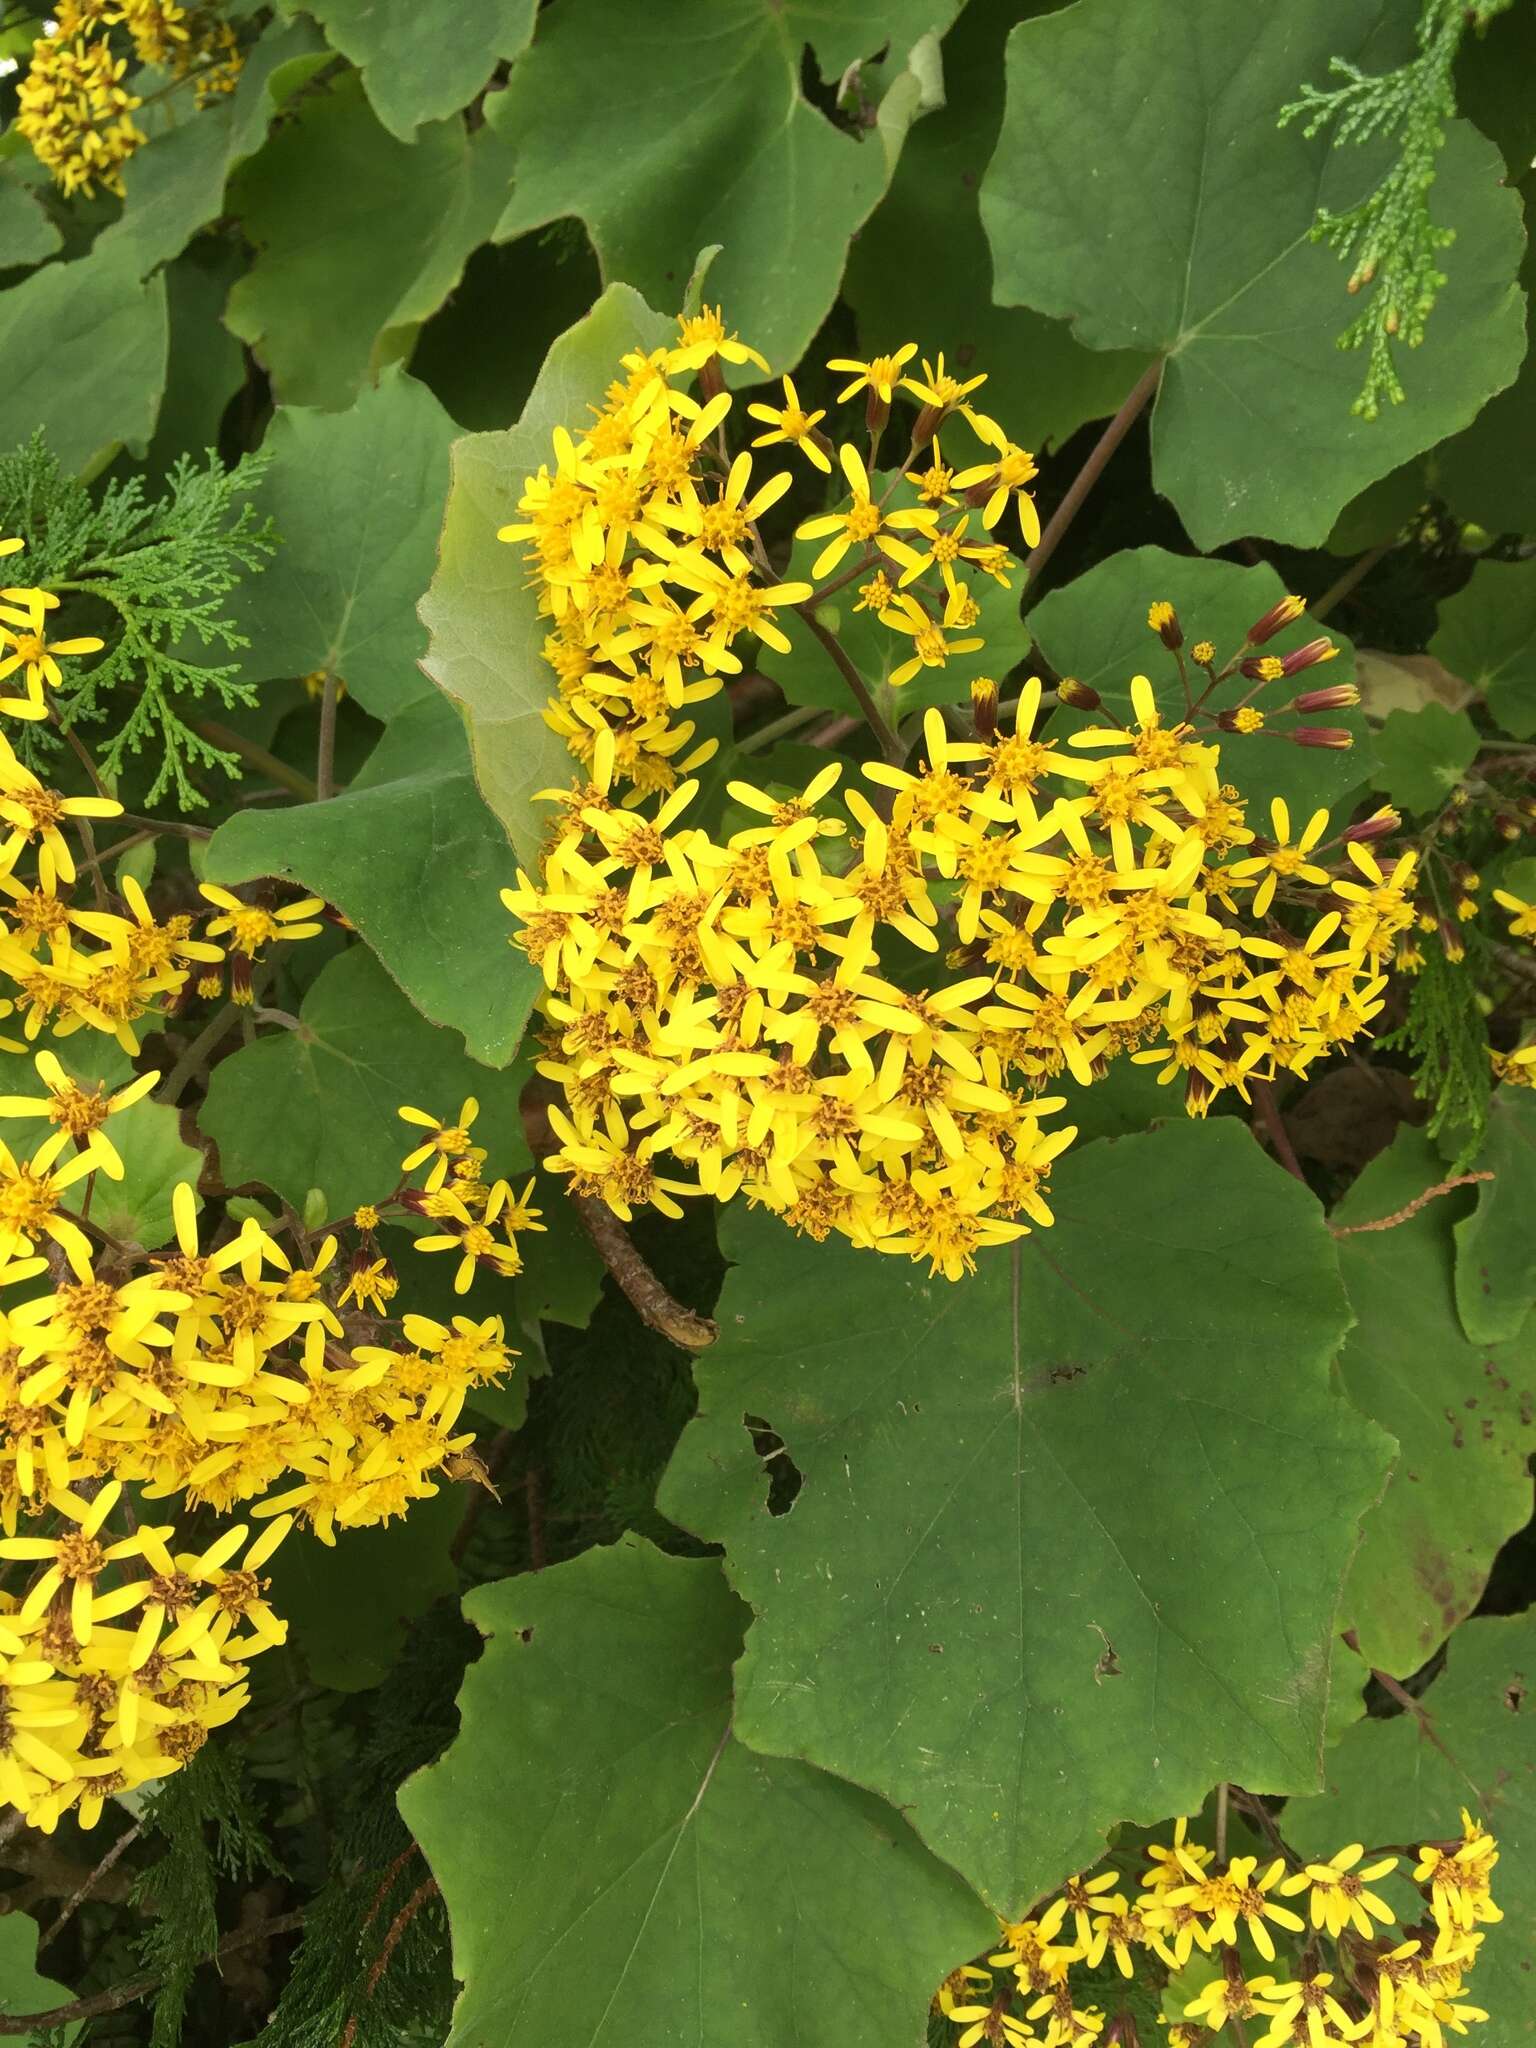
[1339, 698]
[928, 423]
[978, 494]
[1377, 826]
[876, 411]
[1262, 668]
[1322, 736]
[711, 380]
[1081, 696]
[1308, 656]
[1278, 615]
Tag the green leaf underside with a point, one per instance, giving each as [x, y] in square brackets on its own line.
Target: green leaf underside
[1042, 384]
[413, 859]
[1422, 755]
[316, 1108]
[357, 500]
[1071, 1534]
[84, 347]
[706, 137]
[619, 1869]
[1487, 636]
[359, 237]
[1399, 1781]
[1207, 208]
[1464, 1415]
[1095, 629]
[1495, 1245]
[425, 61]
[486, 631]
[1474, 470]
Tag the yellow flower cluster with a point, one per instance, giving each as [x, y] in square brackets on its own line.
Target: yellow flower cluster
[736, 1006]
[1391, 1985]
[217, 1376]
[642, 539]
[74, 109]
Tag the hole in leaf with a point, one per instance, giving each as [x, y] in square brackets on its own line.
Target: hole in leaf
[784, 1475]
[1514, 1695]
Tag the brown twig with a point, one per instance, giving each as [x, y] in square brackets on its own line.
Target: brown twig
[1136, 400]
[1411, 1209]
[125, 1994]
[1274, 1125]
[83, 1891]
[649, 1299]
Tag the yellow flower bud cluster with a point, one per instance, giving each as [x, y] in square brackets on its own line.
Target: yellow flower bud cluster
[734, 1012]
[74, 109]
[1351, 1971]
[642, 539]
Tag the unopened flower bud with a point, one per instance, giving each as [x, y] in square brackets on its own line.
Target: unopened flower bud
[1308, 656]
[1204, 652]
[1379, 825]
[1262, 668]
[928, 423]
[1164, 621]
[240, 989]
[1508, 826]
[984, 707]
[1278, 615]
[1322, 736]
[1339, 698]
[1081, 696]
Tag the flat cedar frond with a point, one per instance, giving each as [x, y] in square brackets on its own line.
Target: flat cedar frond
[1390, 239]
[1446, 1034]
[152, 577]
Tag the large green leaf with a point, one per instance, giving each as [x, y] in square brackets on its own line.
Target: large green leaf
[205, 365]
[1096, 630]
[22, 1987]
[84, 348]
[1041, 382]
[619, 1869]
[424, 61]
[1407, 1780]
[1464, 1415]
[27, 234]
[412, 857]
[1174, 218]
[1422, 755]
[485, 627]
[1070, 1535]
[1487, 637]
[706, 137]
[316, 1108]
[1495, 1245]
[324, 310]
[357, 499]
[1474, 470]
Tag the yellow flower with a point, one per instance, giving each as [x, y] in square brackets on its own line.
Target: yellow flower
[936, 387]
[21, 627]
[863, 524]
[791, 422]
[79, 1113]
[702, 337]
[1010, 469]
[1522, 915]
[444, 1142]
[879, 376]
[1283, 860]
[250, 926]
